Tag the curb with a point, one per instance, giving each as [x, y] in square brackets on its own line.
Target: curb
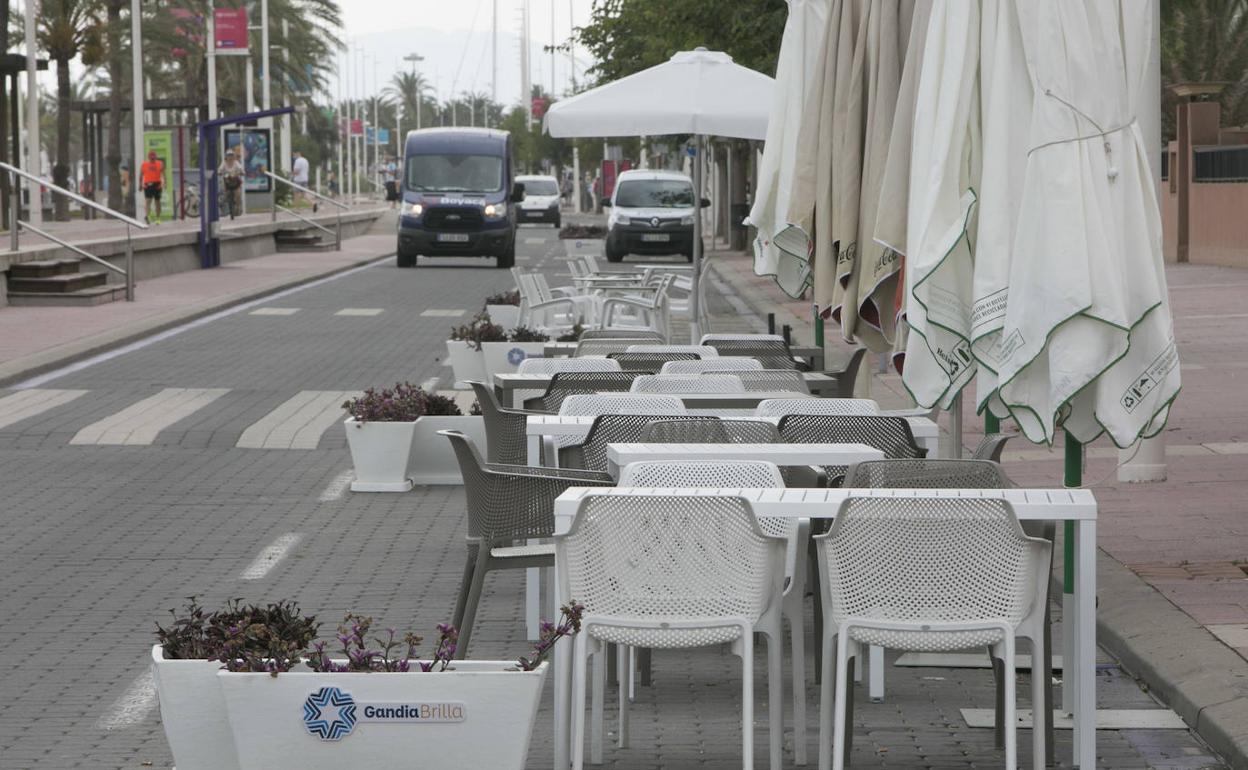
[1201, 679]
[35, 364]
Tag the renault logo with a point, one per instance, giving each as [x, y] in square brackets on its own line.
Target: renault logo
[452, 217]
[654, 222]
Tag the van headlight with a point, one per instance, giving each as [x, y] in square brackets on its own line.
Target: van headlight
[623, 220]
[687, 220]
[416, 210]
[494, 211]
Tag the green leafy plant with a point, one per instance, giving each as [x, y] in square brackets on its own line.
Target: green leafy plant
[573, 334]
[480, 329]
[525, 334]
[504, 298]
[582, 232]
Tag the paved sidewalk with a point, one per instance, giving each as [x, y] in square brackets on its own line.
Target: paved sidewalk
[1187, 537]
[33, 339]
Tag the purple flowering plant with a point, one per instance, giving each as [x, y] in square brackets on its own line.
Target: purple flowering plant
[504, 298]
[525, 334]
[480, 329]
[551, 633]
[402, 403]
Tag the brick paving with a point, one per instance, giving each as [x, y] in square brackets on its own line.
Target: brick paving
[101, 541]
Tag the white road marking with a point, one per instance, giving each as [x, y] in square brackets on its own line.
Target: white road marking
[298, 422]
[437, 313]
[132, 706]
[28, 403]
[360, 311]
[139, 424]
[85, 363]
[267, 559]
[337, 487]
[274, 311]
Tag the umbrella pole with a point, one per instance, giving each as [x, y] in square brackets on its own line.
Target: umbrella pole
[1073, 478]
[695, 294]
[992, 423]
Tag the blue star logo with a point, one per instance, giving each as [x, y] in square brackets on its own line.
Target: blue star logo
[329, 714]
[515, 356]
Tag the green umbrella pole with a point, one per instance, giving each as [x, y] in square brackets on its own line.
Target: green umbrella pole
[818, 330]
[1073, 478]
[992, 423]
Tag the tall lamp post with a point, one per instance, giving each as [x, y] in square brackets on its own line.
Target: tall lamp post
[415, 58]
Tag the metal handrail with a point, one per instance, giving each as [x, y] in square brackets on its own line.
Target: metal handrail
[297, 215]
[17, 224]
[337, 214]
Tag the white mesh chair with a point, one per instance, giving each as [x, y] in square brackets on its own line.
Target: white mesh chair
[705, 351]
[673, 572]
[603, 347]
[707, 339]
[929, 574]
[779, 407]
[652, 311]
[751, 474]
[769, 380]
[711, 365]
[555, 365]
[688, 383]
[614, 334]
[594, 404]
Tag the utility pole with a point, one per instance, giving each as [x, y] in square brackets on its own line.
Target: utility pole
[414, 58]
[552, 49]
[32, 117]
[572, 43]
[338, 116]
[285, 119]
[349, 182]
[265, 77]
[136, 49]
[494, 55]
[212, 64]
[526, 83]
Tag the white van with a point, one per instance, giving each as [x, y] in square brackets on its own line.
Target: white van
[541, 200]
[651, 213]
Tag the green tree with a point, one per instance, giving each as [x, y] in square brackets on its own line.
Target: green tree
[1205, 41]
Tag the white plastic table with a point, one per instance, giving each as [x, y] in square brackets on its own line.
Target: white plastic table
[1057, 505]
[509, 382]
[811, 353]
[620, 455]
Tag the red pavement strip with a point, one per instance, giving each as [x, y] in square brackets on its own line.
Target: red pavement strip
[1173, 572]
[37, 339]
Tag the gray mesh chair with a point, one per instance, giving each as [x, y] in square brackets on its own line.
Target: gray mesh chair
[507, 505]
[771, 380]
[648, 363]
[565, 384]
[603, 347]
[928, 574]
[847, 375]
[505, 440]
[591, 454]
[627, 334]
[991, 447]
[773, 352]
[688, 383]
[703, 351]
[890, 435]
[779, 407]
[713, 430]
[556, 365]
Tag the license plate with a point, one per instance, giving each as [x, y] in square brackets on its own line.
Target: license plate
[656, 237]
[453, 237]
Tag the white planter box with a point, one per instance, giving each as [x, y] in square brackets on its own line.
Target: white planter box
[433, 461]
[466, 362]
[192, 710]
[477, 716]
[380, 452]
[506, 316]
[505, 357]
[580, 247]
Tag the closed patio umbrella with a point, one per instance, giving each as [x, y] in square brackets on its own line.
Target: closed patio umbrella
[800, 47]
[1087, 339]
[696, 92]
[944, 173]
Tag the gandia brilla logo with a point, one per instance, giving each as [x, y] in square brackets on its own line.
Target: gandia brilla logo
[329, 714]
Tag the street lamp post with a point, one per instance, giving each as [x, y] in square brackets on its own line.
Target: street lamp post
[136, 47]
[32, 119]
[415, 58]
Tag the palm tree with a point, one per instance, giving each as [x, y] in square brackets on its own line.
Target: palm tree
[408, 90]
[116, 65]
[67, 28]
[1205, 41]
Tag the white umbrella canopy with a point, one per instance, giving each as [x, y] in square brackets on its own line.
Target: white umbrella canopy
[1087, 337]
[800, 49]
[944, 173]
[695, 92]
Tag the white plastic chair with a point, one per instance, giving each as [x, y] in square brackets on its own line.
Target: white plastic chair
[709, 338]
[779, 407]
[711, 365]
[646, 582]
[539, 309]
[555, 365]
[594, 404]
[750, 474]
[648, 311]
[705, 351]
[768, 380]
[687, 383]
[929, 574]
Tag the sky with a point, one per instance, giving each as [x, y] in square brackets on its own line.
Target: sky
[454, 37]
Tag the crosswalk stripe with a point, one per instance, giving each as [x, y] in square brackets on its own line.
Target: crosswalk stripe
[274, 311]
[139, 423]
[441, 313]
[28, 403]
[360, 311]
[298, 422]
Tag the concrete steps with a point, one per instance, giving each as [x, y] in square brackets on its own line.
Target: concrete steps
[59, 282]
[300, 240]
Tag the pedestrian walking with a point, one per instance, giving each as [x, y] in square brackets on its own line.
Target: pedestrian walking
[333, 185]
[390, 177]
[299, 175]
[230, 173]
[152, 172]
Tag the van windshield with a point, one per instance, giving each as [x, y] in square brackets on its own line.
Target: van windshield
[654, 194]
[454, 173]
[540, 187]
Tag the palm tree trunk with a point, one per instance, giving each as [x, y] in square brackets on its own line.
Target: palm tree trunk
[113, 158]
[60, 171]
